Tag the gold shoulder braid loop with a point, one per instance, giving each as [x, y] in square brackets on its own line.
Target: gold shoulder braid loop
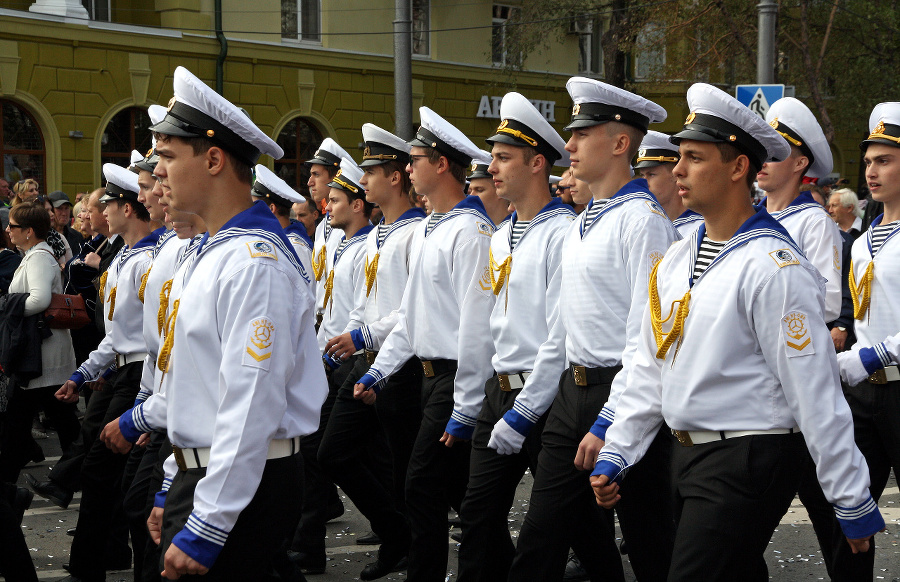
[503, 270]
[101, 292]
[112, 303]
[163, 361]
[163, 306]
[143, 287]
[318, 263]
[371, 271]
[665, 341]
[861, 305]
[329, 287]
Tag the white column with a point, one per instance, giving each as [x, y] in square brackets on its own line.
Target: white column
[67, 8]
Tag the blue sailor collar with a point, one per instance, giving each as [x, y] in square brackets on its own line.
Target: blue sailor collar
[870, 231]
[468, 205]
[802, 202]
[634, 189]
[127, 252]
[555, 207]
[164, 237]
[296, 227]
[687, 216]
[360, 235]
[414, 214]
[761, 224]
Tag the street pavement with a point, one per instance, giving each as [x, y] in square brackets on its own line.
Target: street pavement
[793, 553]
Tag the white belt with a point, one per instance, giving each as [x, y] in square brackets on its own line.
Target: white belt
[125, 359]
[199, 457]
[689, 438]
[509, 382]
[888, 374]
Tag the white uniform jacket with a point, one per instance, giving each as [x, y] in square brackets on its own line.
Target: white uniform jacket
[387, 270]
[688, 223]
[326, 242]
[605, 269]
[755, 354]
[445, 312]
[125, 334]
[347, 280]
[303, 246]
[882, 318]
[819, 238]
[243, 368]
[525, 324]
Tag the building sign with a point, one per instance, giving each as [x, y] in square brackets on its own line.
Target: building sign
[490, 107]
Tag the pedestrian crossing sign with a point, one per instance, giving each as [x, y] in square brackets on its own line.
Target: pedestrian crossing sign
[759, 97]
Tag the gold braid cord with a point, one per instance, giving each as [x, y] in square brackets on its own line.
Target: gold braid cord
[318, 263]
[329, 287]
[665, 341]
[503, 270]
[371, 271]
[163, 306]
[112, 303]
[143, 287]
[861, 305]
[102, 291]
[163, 361]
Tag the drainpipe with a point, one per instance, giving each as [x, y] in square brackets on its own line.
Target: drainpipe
[223, 49]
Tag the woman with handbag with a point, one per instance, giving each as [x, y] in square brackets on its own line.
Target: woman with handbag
[39, 276]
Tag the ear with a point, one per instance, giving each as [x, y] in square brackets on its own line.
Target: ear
[395, 177]
[538, 163]
[443, 165]
[215, 160]
[740, 168]
[272, 208]
[801, 163]
[622, 144]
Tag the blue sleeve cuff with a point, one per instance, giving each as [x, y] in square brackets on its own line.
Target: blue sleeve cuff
[200, 540]
[331, 363]
[459, 429]
[78, 378]
[611, 465]
[359, 341]
[159, 500]
[127, 426]
[518, 421]
[373, 379]
[861, 521]
[875, 358]
[603, 422]
[108, 373]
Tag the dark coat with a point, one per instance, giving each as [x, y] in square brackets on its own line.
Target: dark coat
[20, 339]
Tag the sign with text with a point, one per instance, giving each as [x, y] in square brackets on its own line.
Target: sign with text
[489, 107]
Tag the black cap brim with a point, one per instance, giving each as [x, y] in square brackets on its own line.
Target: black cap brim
[167, 128]
[864, 145]
[581, 123]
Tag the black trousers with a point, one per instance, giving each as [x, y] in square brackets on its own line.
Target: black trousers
[876, 410]
[730, 496]
[261, 530]
[487, 550]
[16, 444]
[15, 559]
[436, 481]
[821, 514]
[355, 453]
[101, 477]
[563, 512]
[138, 498]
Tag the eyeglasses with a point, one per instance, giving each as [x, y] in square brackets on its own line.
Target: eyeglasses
[11, 226]
[413, 159]
[562, 188]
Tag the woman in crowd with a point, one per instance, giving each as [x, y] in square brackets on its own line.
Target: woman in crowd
[25, 191]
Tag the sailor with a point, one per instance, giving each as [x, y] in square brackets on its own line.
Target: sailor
[607, 257]
[654, 163]
[123, 346]
[528, 336]
[449, 283]
[239, 365]
[481, 184]
[734, 355]
[376, 487]
[279, 197]
[870, 368]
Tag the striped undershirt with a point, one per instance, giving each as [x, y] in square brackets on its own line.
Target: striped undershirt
[708, 251]
[593, 211]
[517, 230]
[881, 232]
[382, 232]
[340, 248]
[432, 220]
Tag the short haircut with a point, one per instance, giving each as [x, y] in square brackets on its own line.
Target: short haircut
[95, 196]
[281, 210]
[32, 215]
[635, 136]
[730, 153]
[528, 154]
[396, 166]
[796, 153]
[848, 199]
[456, 170]
[140, 211]
[201, 145]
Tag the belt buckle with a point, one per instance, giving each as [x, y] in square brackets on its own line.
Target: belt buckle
[428, 369]
[684, 438]
[370, 357]
[580, 373]
[179, 458]
[504, 382]
[878, 377]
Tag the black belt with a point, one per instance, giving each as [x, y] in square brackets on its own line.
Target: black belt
[434, 368]
[585, 376]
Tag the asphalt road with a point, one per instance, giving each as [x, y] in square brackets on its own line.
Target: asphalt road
[792, 555]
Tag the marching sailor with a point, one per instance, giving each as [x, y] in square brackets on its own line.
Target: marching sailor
[481, 184]
[735, 356]
[654, 163]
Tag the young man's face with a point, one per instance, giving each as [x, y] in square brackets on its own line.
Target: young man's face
[775, 175]
[318, 182]
[883, 172]
[483, 188]
[511, 174]
[183, 173]
[378, 186]
[422, 173]
[340, 208]
[146, 183]
[590, 150]
[701, 175]
[114, 212]
[661, 182]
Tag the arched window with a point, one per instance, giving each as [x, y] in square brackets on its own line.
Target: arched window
[299, 140]
[22, 153]
[128, 130]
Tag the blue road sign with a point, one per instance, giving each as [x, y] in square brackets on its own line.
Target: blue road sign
[759, 97]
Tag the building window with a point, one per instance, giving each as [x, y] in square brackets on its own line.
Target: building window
[421, 23]
[299, 140]
[500, 54]
[590, 53]
[300, 19]
[22, 152]
[127, 131]
[651, 51]
[98, 9]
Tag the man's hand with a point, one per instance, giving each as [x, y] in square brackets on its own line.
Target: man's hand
[143, 440]
[177, 564]
[68, 392]
[97, 385]
[607, 493]
[154, 524]
[92, 260]
[448, 439]
[860, 546]
[586, 457]
[839, 338]
[112, 436]
[367, 395]
[340, 347]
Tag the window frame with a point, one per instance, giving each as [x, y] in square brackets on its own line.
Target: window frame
[4, 151]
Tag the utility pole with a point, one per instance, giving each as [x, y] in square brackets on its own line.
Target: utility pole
[765, 54]
[403, 69]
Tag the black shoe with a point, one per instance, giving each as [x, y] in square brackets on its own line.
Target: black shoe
[574, 571]
[456, 536]
[454, 521]
[378, 568]
[623, 549]
[70, 532]
[50, 490]
[370, 539]
[21, 502]
[335, 510]
[69, 579]
[121, 563]
[308, 563]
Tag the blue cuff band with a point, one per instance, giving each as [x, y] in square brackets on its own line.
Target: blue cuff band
[861, 521]
[358, 341]
[459, 430]
[519, 423]
[870, 360]
[127, 427]
[198, 548]
[608, 468]
[78, 378]
[159, 500]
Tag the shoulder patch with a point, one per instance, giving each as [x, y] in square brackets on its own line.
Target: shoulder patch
[784, 257]
[797, 339]
[655, 257]
[261, 248]
[260, 338]
[656, 209]
[836, 258]
[484, 228]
